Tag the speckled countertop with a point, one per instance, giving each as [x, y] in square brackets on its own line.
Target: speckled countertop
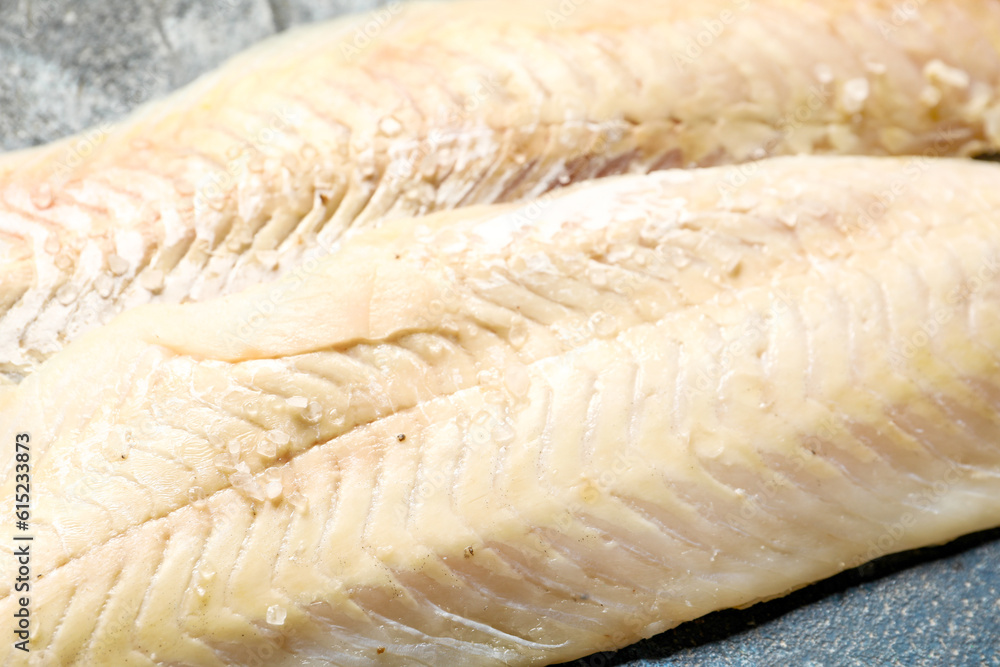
[68, 65]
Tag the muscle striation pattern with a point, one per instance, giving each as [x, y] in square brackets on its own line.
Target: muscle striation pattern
[621, 407]
[231, 181]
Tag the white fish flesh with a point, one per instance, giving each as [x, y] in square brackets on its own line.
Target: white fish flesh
[516, 435]
[230, 181]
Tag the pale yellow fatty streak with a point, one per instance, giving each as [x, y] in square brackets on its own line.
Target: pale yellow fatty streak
[231, 181]
[627, 307]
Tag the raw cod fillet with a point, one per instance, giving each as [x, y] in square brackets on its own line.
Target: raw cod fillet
[520, 434]
[432, 106]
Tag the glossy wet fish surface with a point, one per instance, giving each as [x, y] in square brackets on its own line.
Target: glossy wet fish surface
[240, 177]
[468, 347]
[524, 433]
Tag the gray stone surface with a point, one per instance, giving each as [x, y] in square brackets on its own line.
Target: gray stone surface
[925, 608]
[68, 65]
